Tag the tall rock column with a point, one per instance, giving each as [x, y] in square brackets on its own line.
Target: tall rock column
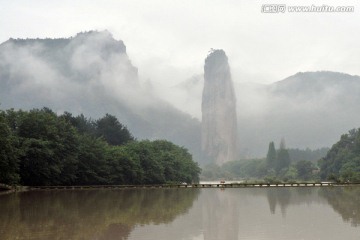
[219, 124]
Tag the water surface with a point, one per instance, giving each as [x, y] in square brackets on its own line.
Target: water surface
[192, 214]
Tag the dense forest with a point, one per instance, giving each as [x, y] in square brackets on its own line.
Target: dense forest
[280, 165]
[342, 162]
[39, 147]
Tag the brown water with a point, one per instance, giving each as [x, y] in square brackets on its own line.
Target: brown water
[191, 214]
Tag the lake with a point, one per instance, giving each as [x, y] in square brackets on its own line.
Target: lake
[191, 214]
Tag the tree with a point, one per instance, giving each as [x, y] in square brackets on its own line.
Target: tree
[8, 154]
[49, 149]
[112, 130]
[304, 169]
[38, 147]
[152, 168]
[283, 157]
[271, 156]
[81, 123]
[342, 162]
[92, 163]
[123, 167]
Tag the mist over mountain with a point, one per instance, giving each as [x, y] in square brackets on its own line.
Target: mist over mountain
[308, 110]
[92, 74]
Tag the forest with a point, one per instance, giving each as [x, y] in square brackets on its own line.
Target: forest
[279, 165]
[340, 163]
[39, 147]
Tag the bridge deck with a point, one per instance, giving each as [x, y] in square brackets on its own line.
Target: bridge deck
[220, 185]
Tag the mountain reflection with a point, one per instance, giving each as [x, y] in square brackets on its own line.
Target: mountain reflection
[89, 214]
[220, 215]
[178, 214]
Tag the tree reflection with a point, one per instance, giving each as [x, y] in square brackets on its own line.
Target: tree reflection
[278, 196]
[284, 197]
[89, 214]
[344, 201]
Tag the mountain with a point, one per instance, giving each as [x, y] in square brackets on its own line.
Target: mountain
[308, 110]
[92, 74]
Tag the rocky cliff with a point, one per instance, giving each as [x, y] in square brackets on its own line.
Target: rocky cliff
[92, 74]
[219, 127]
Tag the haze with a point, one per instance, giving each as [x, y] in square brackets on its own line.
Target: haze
[167, 41]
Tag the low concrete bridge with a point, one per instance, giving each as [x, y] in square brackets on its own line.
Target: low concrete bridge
[212, 185]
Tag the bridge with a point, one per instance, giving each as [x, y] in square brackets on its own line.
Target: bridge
[198, 185]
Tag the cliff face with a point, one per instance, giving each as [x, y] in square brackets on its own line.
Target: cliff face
[91, 74]
[219, 127]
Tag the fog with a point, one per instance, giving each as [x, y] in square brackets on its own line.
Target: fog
[147, 69]
[168, 41]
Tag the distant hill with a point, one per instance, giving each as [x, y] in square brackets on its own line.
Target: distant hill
[92, 74]
[312, 83]
[89, 73]
[309, 110]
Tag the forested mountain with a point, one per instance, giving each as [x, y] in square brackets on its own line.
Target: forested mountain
[89, 74]
[92, 74]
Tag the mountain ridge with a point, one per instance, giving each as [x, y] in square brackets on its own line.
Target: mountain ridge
[92, 74]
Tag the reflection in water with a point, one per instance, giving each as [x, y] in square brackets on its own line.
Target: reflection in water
[192, 214]
[345, 201]
[220, 215]
[284, 196]
[92, 214]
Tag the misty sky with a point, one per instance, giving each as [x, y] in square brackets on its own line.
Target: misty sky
[169, 40]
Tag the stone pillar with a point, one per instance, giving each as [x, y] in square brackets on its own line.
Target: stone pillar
[219, 122]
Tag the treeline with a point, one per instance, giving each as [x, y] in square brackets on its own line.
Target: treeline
[38, 147]
[342, 162]
[307, 154]
[276, 167]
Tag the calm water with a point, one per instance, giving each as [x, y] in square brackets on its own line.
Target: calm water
[192, 214]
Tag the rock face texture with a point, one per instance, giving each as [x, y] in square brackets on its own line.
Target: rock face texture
[219, 124]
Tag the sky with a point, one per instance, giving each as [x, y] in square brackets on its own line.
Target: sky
[168, 40]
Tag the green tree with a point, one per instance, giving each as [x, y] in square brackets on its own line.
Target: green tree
[92, 163]
[271, 156]
[152, 168]
[304, 169]
[283, 157]
[49, 149]
[81, 123]
[342, 162]
[123, 167]
[8, 154]
[177, 162]
[112, 130]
